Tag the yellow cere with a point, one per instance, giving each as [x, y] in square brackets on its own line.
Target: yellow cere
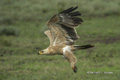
[40, 52]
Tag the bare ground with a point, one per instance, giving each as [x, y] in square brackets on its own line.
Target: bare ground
[106, 40]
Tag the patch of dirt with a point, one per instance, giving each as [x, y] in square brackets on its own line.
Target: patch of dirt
[107, 40]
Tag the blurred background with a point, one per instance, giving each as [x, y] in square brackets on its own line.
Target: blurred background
[22, 26]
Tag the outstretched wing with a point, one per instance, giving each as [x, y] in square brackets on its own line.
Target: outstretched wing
[48, 33]
[62, 26]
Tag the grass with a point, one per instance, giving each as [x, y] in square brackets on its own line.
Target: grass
[24, 19]
[20, 60]
[34, 10]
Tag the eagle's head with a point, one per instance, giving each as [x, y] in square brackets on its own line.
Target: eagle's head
[40, 52]
[45, 51]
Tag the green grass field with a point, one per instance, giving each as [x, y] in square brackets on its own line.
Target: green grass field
[22, 26]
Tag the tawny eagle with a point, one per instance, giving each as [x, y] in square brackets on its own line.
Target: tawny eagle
[62, 35]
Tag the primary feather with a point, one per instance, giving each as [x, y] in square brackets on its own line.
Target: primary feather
[63, 25]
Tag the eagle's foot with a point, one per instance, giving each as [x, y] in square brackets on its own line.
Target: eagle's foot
[74, 69]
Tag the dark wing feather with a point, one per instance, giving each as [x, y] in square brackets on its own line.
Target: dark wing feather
[71, 32]
[77, 13]
[63, 25]
[69, 18]
[69, 10]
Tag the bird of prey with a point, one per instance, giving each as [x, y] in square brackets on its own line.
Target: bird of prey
[62, 35]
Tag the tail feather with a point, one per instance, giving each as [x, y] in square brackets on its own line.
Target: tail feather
[78, 47]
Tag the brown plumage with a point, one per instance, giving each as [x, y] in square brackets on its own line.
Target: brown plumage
[62, 35]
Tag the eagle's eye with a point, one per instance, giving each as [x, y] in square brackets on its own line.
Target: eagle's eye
[42, 51]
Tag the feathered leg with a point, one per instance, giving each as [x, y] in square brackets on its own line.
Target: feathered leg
[70, 57]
